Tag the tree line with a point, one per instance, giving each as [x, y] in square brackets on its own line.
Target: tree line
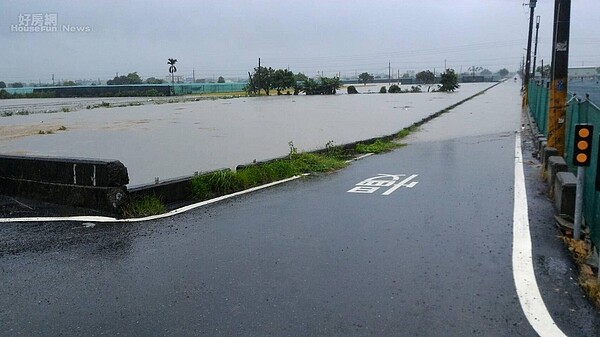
[268, 79]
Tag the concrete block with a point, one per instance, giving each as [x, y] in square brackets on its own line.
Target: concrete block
[71, 171]
[556, 164]
[108, 199]
[564, 193]
[89, 183]
[541, 142]
[548, 152]
[168, 191]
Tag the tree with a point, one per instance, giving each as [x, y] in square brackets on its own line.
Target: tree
[449, 81]
[69, 83]
[262, 79]
[383, 90]
[394, 89]
[154, 80]
[486, 72]
[131, 78]
[598, 70]
[365, 77]
[425, 77]
[352, 90]
[221, 79]
[2, 84]
[283, 79]
[300, 77]
[17, 85]
[327, 86]
[172, 69]
[474, 70]
[503, 72]
[545, 72]
[299, 80]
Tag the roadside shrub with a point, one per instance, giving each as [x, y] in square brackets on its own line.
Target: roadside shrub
[394, 89]
[382, 90]
[352, 90]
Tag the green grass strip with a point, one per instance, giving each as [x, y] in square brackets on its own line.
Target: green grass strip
[225, 182]
[144, 206]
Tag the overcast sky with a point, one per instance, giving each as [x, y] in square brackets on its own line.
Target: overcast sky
[225, 38]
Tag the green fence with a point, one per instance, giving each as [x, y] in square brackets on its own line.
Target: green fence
[578, 111]
[538, 105]
[109, 90]
[207, 88]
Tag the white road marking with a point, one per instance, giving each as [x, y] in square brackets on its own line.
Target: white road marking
[523, 273]
[148, 218]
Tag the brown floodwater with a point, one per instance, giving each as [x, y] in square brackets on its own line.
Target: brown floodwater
[177, 139]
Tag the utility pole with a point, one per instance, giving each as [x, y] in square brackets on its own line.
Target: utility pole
[528, 57]
[445, 68]
[537, 28]
[389, 73]
[193, 75]
[559, 76]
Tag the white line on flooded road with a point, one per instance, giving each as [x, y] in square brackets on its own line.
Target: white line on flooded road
[523, 273]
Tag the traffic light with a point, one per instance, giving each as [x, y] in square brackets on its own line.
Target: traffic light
[582, 151]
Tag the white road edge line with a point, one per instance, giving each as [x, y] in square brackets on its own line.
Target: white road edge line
[359, 158]
[523, 273]
[103, 219]
[148, 218]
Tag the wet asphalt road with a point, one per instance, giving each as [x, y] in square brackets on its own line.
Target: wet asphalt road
[307, 258]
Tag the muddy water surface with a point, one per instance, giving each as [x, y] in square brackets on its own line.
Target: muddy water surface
[172, 140]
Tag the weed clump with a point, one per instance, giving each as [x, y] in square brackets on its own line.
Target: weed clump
[144, 206]
[379, 146]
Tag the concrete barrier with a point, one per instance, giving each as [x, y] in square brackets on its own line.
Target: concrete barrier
[547, 152]
[169, 191]
[555, 164]
[89, 183]
[564, 193]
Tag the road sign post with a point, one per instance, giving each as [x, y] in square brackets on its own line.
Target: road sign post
[582, 151]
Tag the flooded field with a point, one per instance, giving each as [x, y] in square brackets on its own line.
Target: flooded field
[583, 87]
[177, 139]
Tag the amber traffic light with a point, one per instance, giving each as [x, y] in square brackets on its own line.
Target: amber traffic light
[582, 150]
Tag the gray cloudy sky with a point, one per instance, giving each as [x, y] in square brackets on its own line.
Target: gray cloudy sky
[226, 37]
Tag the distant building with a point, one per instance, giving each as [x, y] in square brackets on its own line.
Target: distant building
[583, 72]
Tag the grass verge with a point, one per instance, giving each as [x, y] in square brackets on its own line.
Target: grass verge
[225, 182]
[144, 206]
[379, 146]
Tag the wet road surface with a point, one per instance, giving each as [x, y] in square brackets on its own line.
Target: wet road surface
[309, 258]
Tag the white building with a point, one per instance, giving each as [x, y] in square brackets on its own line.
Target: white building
[583, 72]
